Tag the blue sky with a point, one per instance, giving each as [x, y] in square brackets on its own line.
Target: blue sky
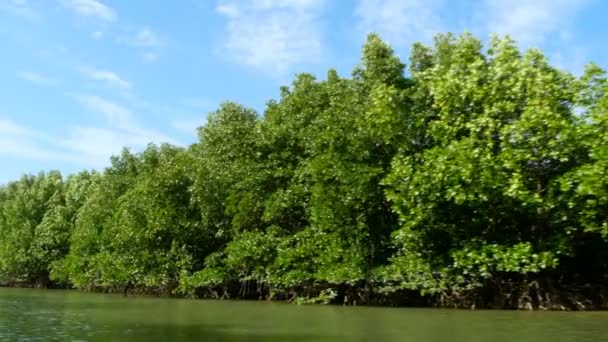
[80, 79]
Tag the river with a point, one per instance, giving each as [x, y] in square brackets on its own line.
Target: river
[47, 315]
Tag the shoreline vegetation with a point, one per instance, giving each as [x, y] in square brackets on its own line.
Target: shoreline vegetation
[475, 177]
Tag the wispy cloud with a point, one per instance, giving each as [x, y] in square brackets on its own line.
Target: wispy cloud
[189, 125]
[200, 106]
[91, 8]
[199, 103]
[529, 22]
[9, 127]
[97, 35]
[572, 60]
[231, 10]
[150, 57]
[120, 117]
[20, 8]
[53, 51]
[80, 145]
[23, 142]
[99, 143]
[400, 21]
[114, 114]
[272, 35]
[36, 79]
[144, 38]
[108, 77]
[95, 145]
[17, 146]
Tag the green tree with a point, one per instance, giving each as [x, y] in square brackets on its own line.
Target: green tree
[481, 203]
[33, 229]
[473, 177]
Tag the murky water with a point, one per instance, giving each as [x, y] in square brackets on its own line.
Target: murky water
[36, 315]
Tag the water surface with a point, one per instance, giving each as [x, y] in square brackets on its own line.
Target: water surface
[38, 315]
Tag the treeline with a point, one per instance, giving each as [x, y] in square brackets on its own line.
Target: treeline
[476, 177]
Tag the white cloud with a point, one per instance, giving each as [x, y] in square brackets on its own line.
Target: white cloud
[23, 142]
[400, 21]
[200, 106]
[572, 60]
[18, 147]
[189, 125]
[150, 57]
[228, 9]
[97, 144]
[20, 8]
[54, 51]
[108, 77]
[528, 22]
[36, 79]
[81, 145]
[144, 38]
[91, 8]
[113, 113]
[120, 117]
[198, 103]
[97, 35]
[271, 34]
[11, 128]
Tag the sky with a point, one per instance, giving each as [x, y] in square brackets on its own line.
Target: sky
[81, 79]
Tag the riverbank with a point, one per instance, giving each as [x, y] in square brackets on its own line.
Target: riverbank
[530, 296]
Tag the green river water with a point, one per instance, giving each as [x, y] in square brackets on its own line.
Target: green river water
[37, 315]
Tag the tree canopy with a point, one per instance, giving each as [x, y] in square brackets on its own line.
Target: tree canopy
[471, 176]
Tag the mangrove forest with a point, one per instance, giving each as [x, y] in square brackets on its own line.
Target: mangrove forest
[473, 176]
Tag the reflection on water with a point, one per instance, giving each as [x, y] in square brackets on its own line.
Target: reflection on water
[33, 315]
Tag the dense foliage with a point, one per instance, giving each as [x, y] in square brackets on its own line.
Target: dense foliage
[473, 178]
